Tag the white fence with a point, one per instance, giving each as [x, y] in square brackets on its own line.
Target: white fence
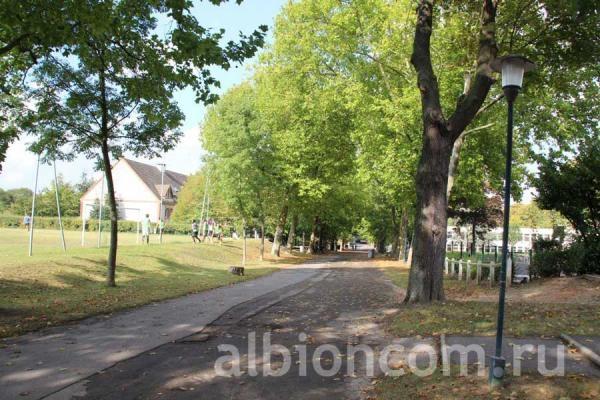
[462, 269]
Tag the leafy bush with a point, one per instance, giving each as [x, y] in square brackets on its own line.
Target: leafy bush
[586, 256]
[549, 259]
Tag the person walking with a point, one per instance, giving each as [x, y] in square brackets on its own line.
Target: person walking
[195, 231]
[219, 233]
[211, 229]
[27, 221]
[146, 229]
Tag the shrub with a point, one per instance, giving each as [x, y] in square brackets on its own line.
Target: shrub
[549, 259]
[74, 224]
[586, 256]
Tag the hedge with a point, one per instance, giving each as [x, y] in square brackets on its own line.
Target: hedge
[74, 224]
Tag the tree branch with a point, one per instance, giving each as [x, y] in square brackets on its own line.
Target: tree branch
[13, 43]
[469, 105]
[421, 60]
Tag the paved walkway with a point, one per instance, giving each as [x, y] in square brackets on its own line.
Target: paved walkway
[341, 306]
[156, 352]
[529, 355]
[38, 364]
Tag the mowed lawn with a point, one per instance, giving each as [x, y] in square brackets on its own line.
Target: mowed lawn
[463, 313]
[52, 286]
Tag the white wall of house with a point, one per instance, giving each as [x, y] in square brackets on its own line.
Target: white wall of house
[494, 237]
[140, 200]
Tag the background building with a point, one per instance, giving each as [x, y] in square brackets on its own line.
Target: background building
[137, 190]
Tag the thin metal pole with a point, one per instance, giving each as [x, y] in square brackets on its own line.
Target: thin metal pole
[162, 196]
[207, 207]
[101, 205]
[37, 171]
[204, 199]
[62, 231]
[83, 228]
[498, 362]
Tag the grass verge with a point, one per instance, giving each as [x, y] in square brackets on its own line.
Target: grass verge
[466, 317]
[52, 287]
[531, 387]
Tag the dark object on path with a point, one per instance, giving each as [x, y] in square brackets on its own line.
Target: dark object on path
[237, 271]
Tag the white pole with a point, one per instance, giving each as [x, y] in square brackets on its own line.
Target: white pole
[162, 195]
[207, 206]
[37, 170]
[83, 228]
[101, 205]
[204, 201]
[62, 231]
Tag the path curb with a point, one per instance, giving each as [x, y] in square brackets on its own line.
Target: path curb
[586, 351]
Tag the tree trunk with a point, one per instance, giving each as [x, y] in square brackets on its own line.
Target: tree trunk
[112, 251]
[474, 239]
[439, 134]
[403, 236]
[262, 240]
[292, 233]
[313, 245]
[276, 248]
[244, 244]
[429, 242]
[395, 234]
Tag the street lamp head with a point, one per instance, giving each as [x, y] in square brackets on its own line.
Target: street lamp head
[512, 67]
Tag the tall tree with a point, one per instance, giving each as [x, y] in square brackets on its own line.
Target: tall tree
[109, 90]
[240, 154]
[439, 135]
[572, 187]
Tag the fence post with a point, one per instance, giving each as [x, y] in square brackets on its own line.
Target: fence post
[446, 265]
[468, 272]
[460, 268]
[492, 273]
[478, 278]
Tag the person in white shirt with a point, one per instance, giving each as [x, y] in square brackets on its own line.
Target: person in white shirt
[146, 229]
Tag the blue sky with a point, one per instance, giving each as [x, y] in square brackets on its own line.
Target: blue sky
[19, 168]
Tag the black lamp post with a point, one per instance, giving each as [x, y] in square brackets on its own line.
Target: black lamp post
[512, 68]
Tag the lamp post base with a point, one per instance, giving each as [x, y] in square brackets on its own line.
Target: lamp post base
[497, 366]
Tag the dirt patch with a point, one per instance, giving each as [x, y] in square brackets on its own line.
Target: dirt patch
[571, 290]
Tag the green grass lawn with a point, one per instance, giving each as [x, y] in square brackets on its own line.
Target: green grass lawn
[52, 286]
[472, 387]
[466, 317]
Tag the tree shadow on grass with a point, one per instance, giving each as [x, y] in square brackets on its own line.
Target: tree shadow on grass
[31, 304]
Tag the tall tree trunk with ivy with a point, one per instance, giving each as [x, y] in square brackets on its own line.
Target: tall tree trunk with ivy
[439, 134]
